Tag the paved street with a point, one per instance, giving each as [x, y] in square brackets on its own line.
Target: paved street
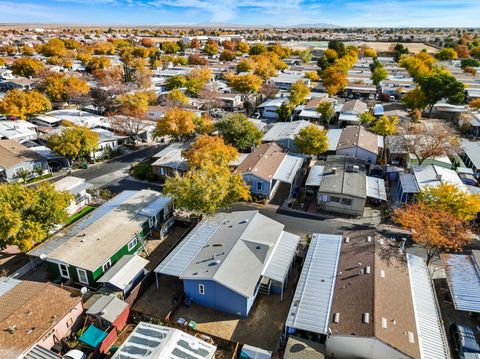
[114, 174]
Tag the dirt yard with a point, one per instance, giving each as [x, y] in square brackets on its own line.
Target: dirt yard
[11, 260]
[413, 47]
[262, 328]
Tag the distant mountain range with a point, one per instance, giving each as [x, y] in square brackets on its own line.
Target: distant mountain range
[297, 26]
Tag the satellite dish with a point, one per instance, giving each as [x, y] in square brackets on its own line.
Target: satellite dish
[84, 290]
[43, 256]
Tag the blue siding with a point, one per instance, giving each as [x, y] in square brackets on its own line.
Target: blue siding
[252, 181]
[217, 297]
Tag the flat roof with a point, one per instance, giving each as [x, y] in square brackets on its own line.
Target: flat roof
[472, 150]
[124, 271]
[285, 130]
[151, 341]
[339, 177]
[315, 176]
[288, 169]
[431, 337]
[376, 188]
[93, 242]
[311, 304]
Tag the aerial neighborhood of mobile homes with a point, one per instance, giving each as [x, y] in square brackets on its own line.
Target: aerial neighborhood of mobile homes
[239, 192]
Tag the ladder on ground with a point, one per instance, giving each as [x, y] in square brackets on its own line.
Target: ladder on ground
[265, 285]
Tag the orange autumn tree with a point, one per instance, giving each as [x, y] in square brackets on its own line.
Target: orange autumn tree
[435, 229]
[210, 149]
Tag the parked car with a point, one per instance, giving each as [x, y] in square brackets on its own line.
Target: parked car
[464, 342]
[75, 354]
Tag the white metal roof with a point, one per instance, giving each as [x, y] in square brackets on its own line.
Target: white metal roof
[288, 169]
[408, 183]
[472, 150]
[376, 188]
[432, 175]
[180, 257]
[124, 271]
[107, 307]
[282, 257]
[463, 279]
[311, 304]
[431, 337]
[284, 130]
[7, 283]
[151, 341]
[155, 206]
[315, 176]
[333, 135]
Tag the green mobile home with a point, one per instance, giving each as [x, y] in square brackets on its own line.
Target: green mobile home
[85, 251]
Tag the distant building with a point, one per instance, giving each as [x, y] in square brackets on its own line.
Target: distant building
[228, 259]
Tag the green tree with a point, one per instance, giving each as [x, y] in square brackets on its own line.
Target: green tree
[447, 54]
[379, 74]
[469, 63]
[284, 112]
[312, 140]
[415, 99]
[440, 85]
[257, 49]
[326, 110]
[338, 46]
[238, 131]
[29, 213]
[175, 82]
[399, 50]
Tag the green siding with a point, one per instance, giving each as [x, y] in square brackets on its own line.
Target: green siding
[72, 270]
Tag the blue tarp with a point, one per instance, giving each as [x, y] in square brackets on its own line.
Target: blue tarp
[93, 336]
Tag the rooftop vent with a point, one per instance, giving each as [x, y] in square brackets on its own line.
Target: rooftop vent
[367, 270]
[355, 169]
[382, 273]
[334, 170]
[384, 323]
[243, 221]
[366, 318]
[336, 317]
[347, 239]
[11, 329]
[369, 238]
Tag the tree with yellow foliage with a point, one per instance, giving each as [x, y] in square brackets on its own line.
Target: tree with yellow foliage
[74, 142]
[311, 140]
[23, 104]
[27, 67]
[61, 88]
[449, 198]
[244, 83]
[197, 79]
[369, 52]
[475, 103]
[245, 65]
[30, 213]
[385, 125]
[312, 76]
[298, 93]
[334, 80]
[176, 98]
[98, 62]
[176, 122]
[54, 47]
[204, 124]
[209, 149]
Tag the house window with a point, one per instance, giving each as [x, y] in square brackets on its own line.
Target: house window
[334, 199]
[347, 201]
[82, 276]
[201, 289]
[107, 265]
[64, 271]
[69, 323]
[132, 244]
[259, 186]
[150, 223]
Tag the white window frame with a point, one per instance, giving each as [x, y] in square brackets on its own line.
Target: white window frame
[107, 263]
[84, 272]
[201, 289]
[66, 268]
[130, 246]
[151, 222]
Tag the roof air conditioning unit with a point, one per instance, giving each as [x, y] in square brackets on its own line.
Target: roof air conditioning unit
[334, 170]
[355, 169]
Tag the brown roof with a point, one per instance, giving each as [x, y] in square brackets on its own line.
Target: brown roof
[386, 299]
[264, 161]
[354, 106]
[357, 136]
[13, 153]
[314, 102]
[33, 308]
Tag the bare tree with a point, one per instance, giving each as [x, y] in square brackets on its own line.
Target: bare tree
[210, 93]
[268, 91]
[131, 126]
[429, 141]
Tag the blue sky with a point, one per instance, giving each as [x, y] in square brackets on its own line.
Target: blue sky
[371, 13]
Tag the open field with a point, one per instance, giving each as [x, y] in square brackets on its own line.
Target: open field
[385, 46]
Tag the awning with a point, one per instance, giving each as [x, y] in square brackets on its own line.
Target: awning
[315, 176]
[376, 188]
[282, 258]
[93, 336]
[409, 183]
[288, 169]
[463, 279]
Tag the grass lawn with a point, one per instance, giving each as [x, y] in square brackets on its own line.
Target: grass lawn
[82, 213]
